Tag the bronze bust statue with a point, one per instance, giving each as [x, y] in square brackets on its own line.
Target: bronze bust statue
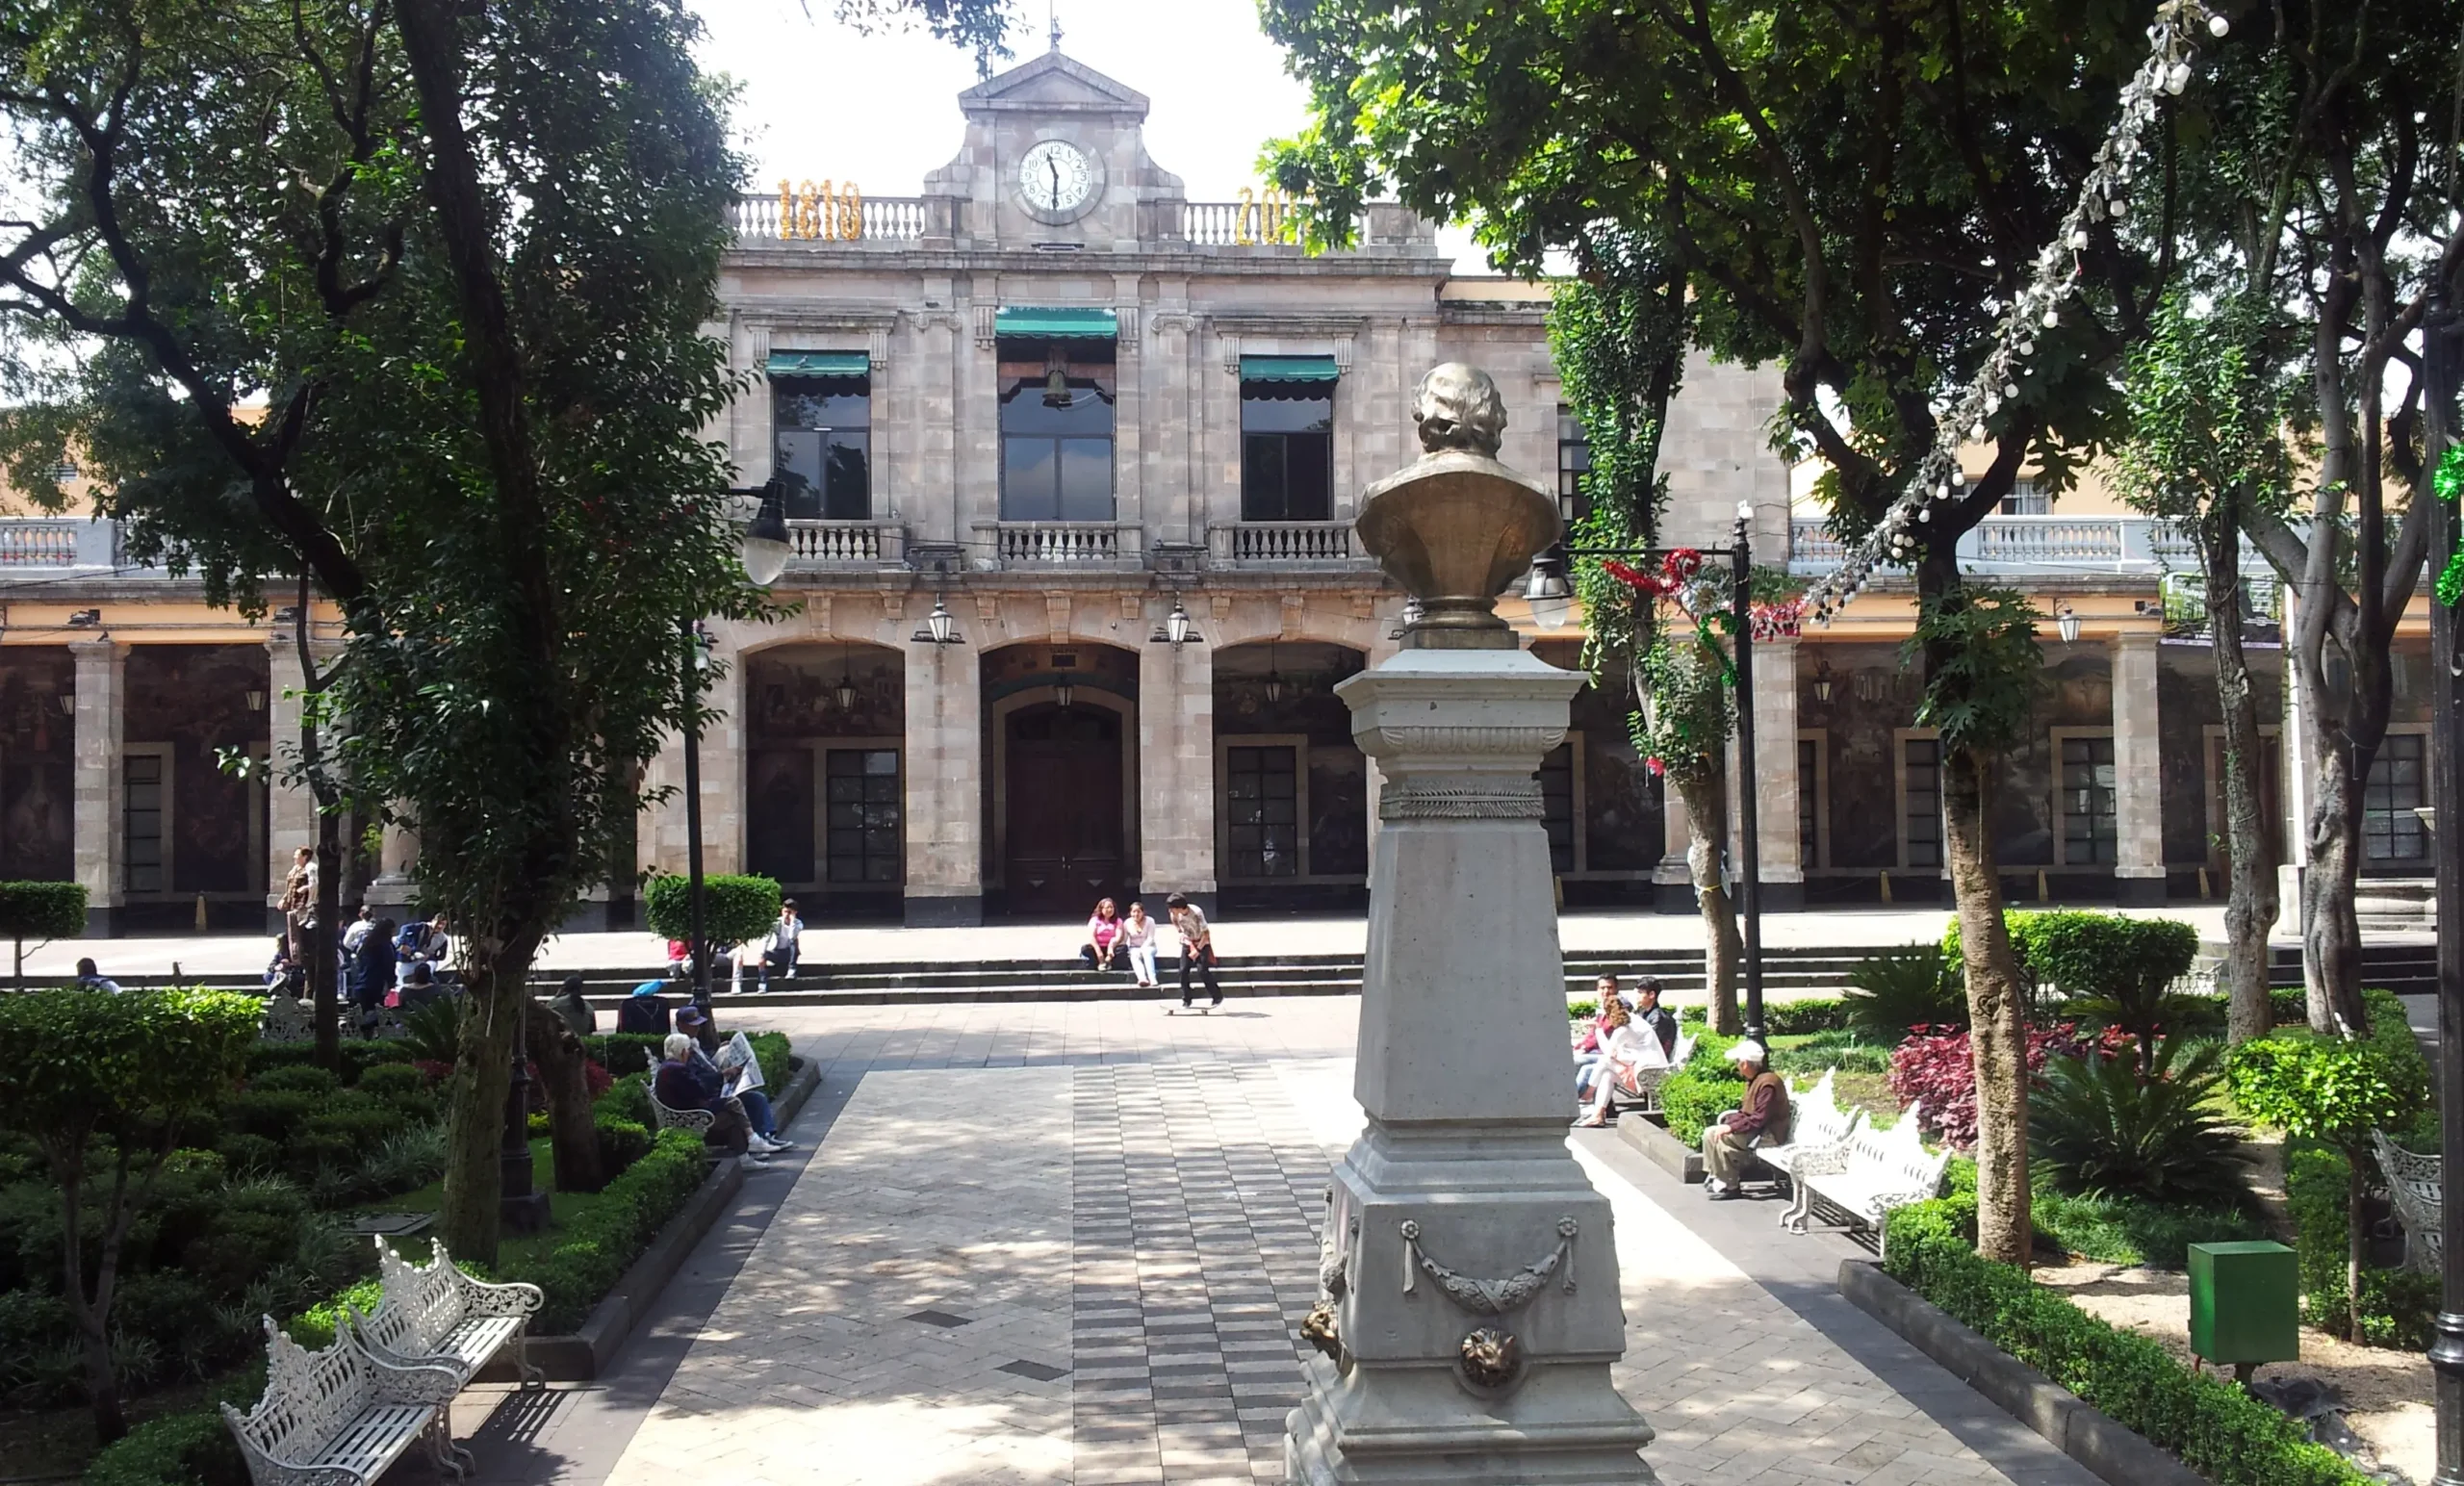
[1458, 406]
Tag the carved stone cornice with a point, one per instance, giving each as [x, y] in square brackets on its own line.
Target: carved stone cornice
[1454, 797]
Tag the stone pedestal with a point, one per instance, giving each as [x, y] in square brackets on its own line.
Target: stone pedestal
[2138, 805]
[96, 824]
[1469, 1268]
[398, 852]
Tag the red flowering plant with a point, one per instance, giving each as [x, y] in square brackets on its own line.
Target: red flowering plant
[1937, 1068]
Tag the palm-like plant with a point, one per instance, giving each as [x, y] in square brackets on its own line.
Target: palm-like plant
[1895, 989]
[2097, 1128]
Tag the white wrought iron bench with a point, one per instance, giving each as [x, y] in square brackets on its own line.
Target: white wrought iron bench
[1644, 1095]
[1817, 1125]
[434, 1313]
[341, 1417]
[2413, 1182]
[699, 1122]
[1869, 1173]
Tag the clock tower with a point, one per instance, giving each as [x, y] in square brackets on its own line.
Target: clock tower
[1055, 157]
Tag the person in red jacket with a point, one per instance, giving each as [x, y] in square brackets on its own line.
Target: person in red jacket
[1761, 1118]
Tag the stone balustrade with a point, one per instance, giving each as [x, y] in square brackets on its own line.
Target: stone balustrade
[58, 541]
[1284, 544]
[825, 222]
[846, 544]
[2114, 545]
[1057, 544]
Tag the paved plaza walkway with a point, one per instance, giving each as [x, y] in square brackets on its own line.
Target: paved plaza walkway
[1068, 1243]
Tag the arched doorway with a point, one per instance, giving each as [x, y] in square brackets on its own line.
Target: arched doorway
[825, 776]
[1061, 823]
[1066, 839]
[1290, 786]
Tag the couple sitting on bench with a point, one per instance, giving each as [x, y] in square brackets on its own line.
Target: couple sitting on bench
[1631, 1048]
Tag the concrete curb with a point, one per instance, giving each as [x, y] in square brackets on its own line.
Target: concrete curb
[1662, 1149]
[2115, 1454]
[584, 1354]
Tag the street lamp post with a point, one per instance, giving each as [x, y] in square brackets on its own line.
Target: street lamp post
[1551, 598]
[2447, 844]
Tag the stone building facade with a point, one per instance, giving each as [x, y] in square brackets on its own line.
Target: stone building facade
[1041, 419]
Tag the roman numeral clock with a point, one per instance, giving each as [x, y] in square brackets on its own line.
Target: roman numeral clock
[1057, 182]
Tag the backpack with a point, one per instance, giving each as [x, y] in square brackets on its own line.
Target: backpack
[410, 938]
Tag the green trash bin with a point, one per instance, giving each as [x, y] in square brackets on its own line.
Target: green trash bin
[2245, 1304]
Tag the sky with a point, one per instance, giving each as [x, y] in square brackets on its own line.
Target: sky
[821, 101]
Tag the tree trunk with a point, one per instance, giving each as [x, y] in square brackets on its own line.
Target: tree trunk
[326, 996]
[2330, 928]
[571, 1132]
[493, 996]
[1723, 950]
[1998, 1035]
[2251, 898]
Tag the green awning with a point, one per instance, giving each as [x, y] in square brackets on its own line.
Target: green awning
[819, 363]
[1056, 324]
[1289, 369]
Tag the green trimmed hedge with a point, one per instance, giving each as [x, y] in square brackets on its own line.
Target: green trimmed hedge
[1786, 1019]
[193, 1448]
[2397, 1306]
[736, 909]
[2218, 1430]
[42, 910]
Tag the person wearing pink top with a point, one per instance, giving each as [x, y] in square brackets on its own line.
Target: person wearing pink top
[1103, 936]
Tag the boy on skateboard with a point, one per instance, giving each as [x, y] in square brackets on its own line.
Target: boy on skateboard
[1197, 947]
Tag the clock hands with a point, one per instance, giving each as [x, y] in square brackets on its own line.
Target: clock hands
[1054, 163]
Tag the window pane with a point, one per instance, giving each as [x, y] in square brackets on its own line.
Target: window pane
[1923, 833]
[1309, 471]
[2390, 830]
[864, 815]
[1807, 837]
[1086, 479]
[1265, 493]
[797, 463]
[849, 476]
[1557, 806]
[1029, 474]
[1264, 410]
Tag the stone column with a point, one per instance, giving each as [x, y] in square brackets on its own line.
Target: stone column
[291, 808]
[2138, 805]
[945, 784]
[2297, 769]
[1471, 1266]
[1775, 774]
[398, 852]
[1176, 770]
[1673, 879]
[95, 824]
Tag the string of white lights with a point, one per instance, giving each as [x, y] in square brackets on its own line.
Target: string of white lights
[2104, 196]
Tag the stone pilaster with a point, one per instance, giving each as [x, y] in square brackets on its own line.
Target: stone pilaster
[1177, 769]
[1469, 1268]
[2300, 768]
[291, 808]
[397, 853]
[945, 783]
[102, 713]
[1775, 774]
[2138, 805]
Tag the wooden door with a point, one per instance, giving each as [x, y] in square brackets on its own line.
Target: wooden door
[1064, 839]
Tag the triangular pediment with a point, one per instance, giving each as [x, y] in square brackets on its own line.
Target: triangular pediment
[1053, 83]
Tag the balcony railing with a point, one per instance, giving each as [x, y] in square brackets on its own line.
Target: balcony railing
[58, 541]
[1057, 544]
[1283, 544]
[846, 544]
[1249, 224]
[844, 217]
[2119, 545]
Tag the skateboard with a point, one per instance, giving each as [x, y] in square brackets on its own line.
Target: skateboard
[1174, 1011]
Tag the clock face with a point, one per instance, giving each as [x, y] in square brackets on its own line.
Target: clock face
[1056, 177]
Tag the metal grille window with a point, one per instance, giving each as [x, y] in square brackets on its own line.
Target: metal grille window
[1286, 450]
[862, 808]
[825, 440]
[2089, 822]
[1573, 467]
[1557, 806]
[143, 801]
[1921, 814]
[1262, 787]
[2390, 828]
[1809, 778]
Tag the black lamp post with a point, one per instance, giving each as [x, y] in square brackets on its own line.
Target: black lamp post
[1551, 600]
[2447, 844]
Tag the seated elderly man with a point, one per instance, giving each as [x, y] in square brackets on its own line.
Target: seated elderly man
[683, 1082]
[1761, 1118]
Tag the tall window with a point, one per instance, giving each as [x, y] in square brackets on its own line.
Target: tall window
[2027, 498]
[825, 444]
[862, 803]
[1573, 467]
[1056, 429]
[1557, 806]
[2390, 830]
[143, 811]
[1286, 450]
[1921, 802]
[1809, 806]
[2090, 820]
[1262, 793]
